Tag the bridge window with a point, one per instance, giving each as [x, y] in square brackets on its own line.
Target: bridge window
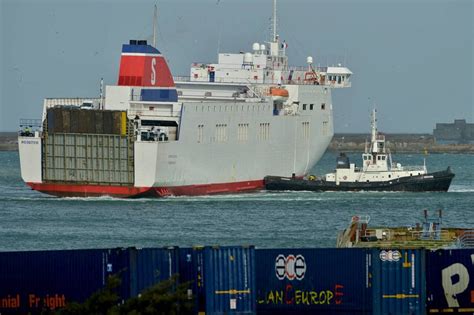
[323, 106]
[304, 106]
[311, 106]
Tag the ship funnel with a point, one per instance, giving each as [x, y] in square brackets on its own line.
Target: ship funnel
[143, 65]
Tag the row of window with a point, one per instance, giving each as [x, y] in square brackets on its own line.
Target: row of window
[311, 106]
[233, 108]
[379, 157]
[338, 78]
[221, 134]
[248, 108]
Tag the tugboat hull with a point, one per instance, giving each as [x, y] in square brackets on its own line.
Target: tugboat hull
[437, 181]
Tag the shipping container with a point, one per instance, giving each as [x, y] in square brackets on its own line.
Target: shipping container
[222, 279]
[229, 276]
[75, 120]
[36, 280]
[152, 266]
[313, 281]
[191, 271]
[450, 281]
[398, 282]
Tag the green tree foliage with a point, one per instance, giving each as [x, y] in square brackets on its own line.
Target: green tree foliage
[167, 297]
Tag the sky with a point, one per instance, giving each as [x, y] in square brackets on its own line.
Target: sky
[412, 59]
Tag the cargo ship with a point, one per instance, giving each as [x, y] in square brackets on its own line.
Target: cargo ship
[378, 173]
[221, 129]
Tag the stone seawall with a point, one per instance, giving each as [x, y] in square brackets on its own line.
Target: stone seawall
[398, 143]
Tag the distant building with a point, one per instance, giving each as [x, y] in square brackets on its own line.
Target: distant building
[457, 132]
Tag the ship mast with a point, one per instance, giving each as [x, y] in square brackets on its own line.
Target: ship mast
[274, 20]
[373, 124]
[154, 26]
[274, 42]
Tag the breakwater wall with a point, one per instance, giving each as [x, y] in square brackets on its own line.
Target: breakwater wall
[398, 143]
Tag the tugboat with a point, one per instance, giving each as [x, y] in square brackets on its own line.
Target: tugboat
[378, 173]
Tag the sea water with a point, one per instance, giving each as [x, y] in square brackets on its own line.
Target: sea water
[30, 220]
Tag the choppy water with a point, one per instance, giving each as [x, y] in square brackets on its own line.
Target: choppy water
[30, 220]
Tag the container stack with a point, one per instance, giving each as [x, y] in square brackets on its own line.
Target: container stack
[242, 280]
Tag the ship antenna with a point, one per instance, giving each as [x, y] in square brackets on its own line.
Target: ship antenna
[374, 125]
[154, 26]
[274, 21]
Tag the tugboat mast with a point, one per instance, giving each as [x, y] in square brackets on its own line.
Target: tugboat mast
[373, 124]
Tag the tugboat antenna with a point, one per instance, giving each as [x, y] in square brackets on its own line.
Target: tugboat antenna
[154, 26]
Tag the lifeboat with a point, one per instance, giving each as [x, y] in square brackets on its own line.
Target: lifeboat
[279, 94]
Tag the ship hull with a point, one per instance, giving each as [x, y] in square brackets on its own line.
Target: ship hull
[74, 190]
[437, 181]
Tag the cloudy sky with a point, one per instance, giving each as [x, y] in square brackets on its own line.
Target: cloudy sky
[413, 59]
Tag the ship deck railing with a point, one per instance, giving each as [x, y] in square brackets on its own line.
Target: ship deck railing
[29, 127]
[466, 240]
[415, 168]
[242, 81]
[431, 235]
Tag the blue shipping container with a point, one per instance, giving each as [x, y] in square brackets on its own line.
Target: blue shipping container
[450, 281]
[152, 266]
[191, 270]
[36, 280]
[313, 281]
[398, 282]
[222, 278]
[229, 277]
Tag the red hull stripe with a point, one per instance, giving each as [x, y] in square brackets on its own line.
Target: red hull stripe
[67, 190]
[209, 189]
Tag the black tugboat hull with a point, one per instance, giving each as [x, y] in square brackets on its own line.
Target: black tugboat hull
[437, 181]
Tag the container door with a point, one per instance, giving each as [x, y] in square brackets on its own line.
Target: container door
[398, 282]
[191, 271]
[450, 281]
[229, 276]
[154, 265]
